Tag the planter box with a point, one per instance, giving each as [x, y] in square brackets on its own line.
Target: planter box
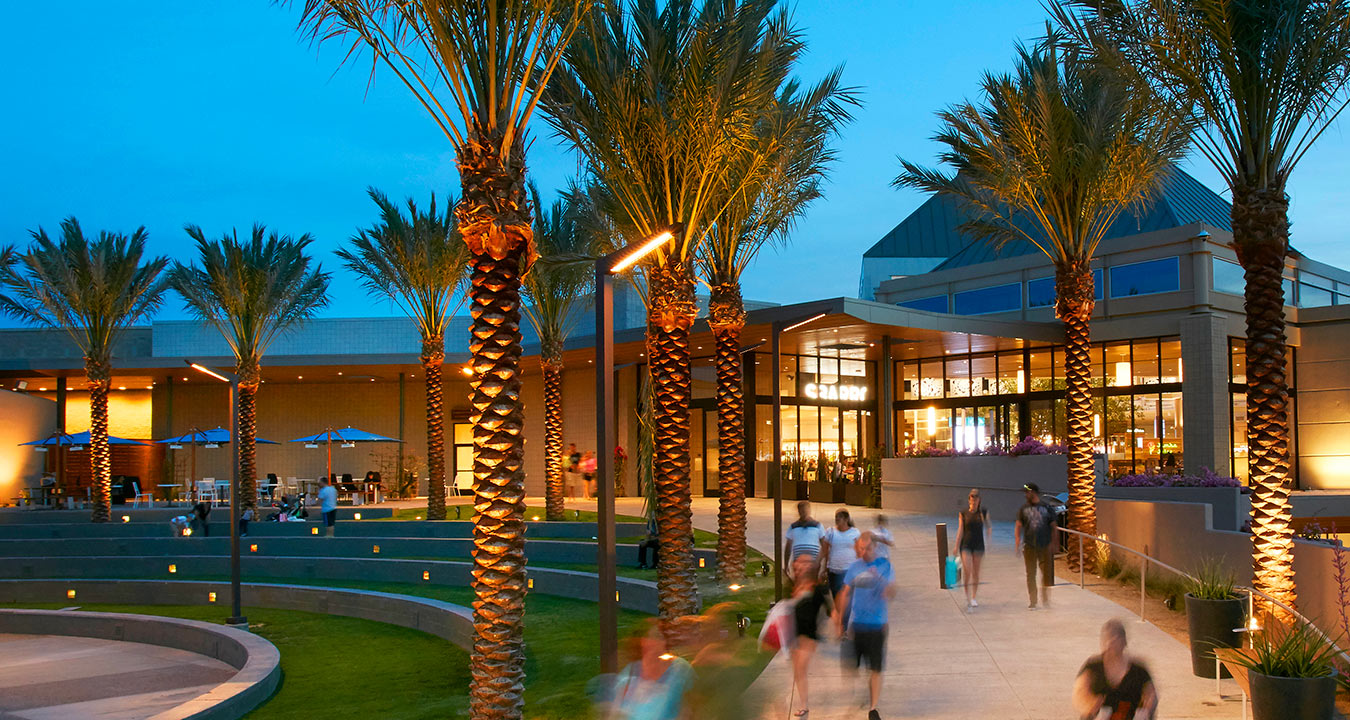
[1231, 507]
[825, 491]
[858, 494]
[939, 486]
[1277, 698]
[1212, 624]
[795, 490]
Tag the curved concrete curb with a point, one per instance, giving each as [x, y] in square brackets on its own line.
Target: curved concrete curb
[258, 662]
[640, 595]
[447, 621]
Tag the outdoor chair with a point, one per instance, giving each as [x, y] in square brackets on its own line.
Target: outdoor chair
[222, 491]
[463, 483]
[206, 491]
[137, 495]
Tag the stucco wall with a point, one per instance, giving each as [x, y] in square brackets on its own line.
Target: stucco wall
[1323, 406]
[25, 418]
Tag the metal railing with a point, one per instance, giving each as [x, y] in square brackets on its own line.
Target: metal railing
[1147, 559]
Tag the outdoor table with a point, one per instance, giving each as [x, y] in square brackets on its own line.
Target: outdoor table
[169, 489]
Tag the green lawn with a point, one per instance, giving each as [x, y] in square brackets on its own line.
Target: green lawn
[359, 668]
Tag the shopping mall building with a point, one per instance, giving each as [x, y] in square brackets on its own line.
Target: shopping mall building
[955, 345]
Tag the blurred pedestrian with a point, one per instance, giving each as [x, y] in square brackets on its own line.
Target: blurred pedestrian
[651, 687]
[972, 528]
[588, 466]
[803, 535]
[1112, 685]
[201, 527]
[328, 504]
[862, 612]
[810, 598]
[837, 550]
[1033, 533]
[881, 535]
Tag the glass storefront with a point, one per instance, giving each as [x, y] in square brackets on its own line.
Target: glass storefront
[967, 402]
[828, 414]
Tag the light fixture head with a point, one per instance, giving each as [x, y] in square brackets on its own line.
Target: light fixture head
[207, 371]
[649, 246]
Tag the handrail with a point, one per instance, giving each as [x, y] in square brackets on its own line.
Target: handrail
[1143, 577]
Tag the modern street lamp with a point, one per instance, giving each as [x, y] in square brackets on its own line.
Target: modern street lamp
[780, 327]
[236, 612]
[605, 269]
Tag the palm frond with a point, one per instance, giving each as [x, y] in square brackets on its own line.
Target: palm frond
[417, 260]
[476, 66]
[560, 280]
[1054, 153]
[1263, 79]
[94, 290]
[251, 291]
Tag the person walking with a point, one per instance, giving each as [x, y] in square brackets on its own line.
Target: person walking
[862, 610]
[201, 527]
[803, 535]
[588, 466]
[328, 505]
[881, 535]
[809, 596]
[1033, 533]
[837, 550]
[972, 528]
[1112, 685]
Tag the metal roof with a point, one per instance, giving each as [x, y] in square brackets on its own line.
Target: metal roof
[934, 227]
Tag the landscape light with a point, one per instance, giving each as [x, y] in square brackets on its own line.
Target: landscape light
[667, 657]
[529, 583]
[211, 597]
[466, 370]
[187, 532]
[253, 548]
[70, 594]
[735, 587]
[357, 516]
[313, 531]
[642, 251]
[426, 574]
[375, 549]
[126, 518]
[173, 569]
[701, 562]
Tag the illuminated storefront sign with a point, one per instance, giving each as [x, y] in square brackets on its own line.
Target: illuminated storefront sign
[855, 393]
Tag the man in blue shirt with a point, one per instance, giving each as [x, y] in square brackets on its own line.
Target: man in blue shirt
[328, 505]
[869, 584]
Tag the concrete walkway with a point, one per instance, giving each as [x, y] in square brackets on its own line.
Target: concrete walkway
[1002, 661]
[49, 677]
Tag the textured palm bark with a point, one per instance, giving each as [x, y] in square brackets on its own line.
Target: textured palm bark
[726, 316]
[433, 359]
[1073, 305]
[670, 314]
[494, 219]
[100, 457]
[553, 438]
[1261, 238]
[248, 446]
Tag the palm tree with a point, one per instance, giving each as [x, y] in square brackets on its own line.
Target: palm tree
[251, 291]
[552, 292]
[94, 290]
[417, 260]
[478, 67]
[1263, 79]
[659, 101]
[1052, 156]
[795, 134]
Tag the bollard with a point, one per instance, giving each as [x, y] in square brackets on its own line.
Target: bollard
[942, 555]
[1081, 569]
[1143, 583]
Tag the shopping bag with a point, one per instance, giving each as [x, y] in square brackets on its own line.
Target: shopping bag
[779, 627]
[952, 571]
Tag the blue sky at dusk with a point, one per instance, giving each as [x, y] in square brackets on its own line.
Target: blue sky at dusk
[219, 114]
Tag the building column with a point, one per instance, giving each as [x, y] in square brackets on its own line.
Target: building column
[1206, 403]
[886, 403]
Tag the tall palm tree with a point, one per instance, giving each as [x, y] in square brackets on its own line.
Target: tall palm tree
[94, 290]
[1052, 156]
[1263, 79]
[795, 134]
[658, 102]
[552, 293]
[478, 67]
[251, 291]
[417, 260]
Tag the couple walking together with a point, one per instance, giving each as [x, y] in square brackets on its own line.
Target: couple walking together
[1032, 534]
[841, 576]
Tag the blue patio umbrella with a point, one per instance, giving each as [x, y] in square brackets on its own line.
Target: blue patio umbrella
[208, 438]
[72, 441]
[347, 437]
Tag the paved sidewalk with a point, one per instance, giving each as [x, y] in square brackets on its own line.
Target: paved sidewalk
[1002, 661]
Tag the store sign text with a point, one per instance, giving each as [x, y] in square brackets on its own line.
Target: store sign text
[856, 393]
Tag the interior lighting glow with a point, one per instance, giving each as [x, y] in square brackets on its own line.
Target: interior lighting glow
[642, 251]
[932, 421]
[1123, 374]
[1097, 425]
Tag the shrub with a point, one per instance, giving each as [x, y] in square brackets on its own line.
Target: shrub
[1206, 478]
[1212, 581]
[1027, 446]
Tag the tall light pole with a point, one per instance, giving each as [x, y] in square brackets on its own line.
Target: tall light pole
[236, 612]
[780, 327]
[605, 269]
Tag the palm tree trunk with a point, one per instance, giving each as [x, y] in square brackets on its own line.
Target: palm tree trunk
[726, 315]
[553, 437]
[433, 357]
[670, 315]
[494, 219]
[1074, 304]
[1261, 237]
[248, 437]
[100, 456]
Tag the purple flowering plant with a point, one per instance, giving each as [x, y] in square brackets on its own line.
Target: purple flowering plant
[1206, 479]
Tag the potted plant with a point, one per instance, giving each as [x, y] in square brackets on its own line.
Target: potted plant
[1291, 672]
[1214, 615]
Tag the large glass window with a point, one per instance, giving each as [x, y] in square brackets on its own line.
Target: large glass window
[909, 381]
[1041, 291]
[999, 298]
[1313, 295]
[1228, 277]
[983, 378]
[935, 303]
[958, 377]
[1146, 278]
